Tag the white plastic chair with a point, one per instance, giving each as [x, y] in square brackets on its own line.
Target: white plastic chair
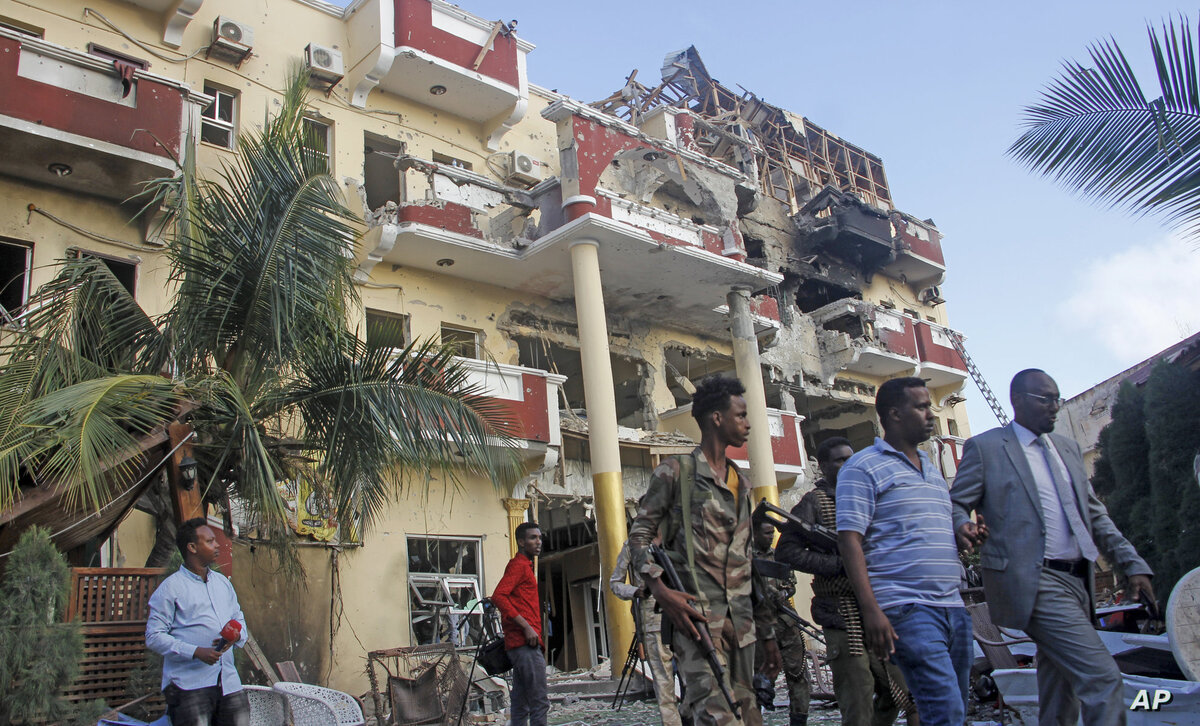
[341, 707]
[268, 707]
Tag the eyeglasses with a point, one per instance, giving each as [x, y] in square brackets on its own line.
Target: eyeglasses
[1046, 400]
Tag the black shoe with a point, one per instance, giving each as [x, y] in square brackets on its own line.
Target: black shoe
[798, 719]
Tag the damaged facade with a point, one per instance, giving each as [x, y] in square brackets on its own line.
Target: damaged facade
[592, 261]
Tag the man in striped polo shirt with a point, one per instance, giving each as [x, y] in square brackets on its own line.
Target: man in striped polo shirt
[896, 537]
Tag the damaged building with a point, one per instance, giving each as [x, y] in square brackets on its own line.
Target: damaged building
[590, 261]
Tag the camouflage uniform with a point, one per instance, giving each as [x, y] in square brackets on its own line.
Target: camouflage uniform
[869, 691]
[790, 640]
[722, 585]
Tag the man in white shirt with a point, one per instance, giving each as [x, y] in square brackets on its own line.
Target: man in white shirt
[187, 612]
[1046, 530]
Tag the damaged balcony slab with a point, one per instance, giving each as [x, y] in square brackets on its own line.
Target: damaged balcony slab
[919, 259]
[681, 286]
[848, 228]
[868, 339]
[68, 121]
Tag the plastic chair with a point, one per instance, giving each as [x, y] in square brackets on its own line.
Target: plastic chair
[268, 707]
[342, 707]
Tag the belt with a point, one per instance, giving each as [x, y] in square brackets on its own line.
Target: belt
[1078, 568]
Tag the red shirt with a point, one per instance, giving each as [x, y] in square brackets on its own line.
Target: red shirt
[517, 594]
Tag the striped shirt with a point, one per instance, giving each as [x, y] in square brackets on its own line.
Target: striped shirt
[904, 517]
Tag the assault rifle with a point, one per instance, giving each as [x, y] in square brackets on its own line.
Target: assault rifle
[820, 538]
[706, 641]
[779, 571]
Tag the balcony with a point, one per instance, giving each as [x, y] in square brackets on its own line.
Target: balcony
[918, 252]
[65, 122]
[530, 395]
[941, 364]
[471, 228]
[868, 339]
[840, 223]
[787, 444]
[440, 56]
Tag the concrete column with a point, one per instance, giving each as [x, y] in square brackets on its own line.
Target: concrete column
[749, 370]
[607, 490]
[516, 514]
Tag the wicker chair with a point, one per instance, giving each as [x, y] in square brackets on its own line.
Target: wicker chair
[268, 707]
[311, 707]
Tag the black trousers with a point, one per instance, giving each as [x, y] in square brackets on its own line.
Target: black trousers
[206, 707]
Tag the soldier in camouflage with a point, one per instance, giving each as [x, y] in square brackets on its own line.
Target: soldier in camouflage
[716, 572]
[869, 691]
[788, 635]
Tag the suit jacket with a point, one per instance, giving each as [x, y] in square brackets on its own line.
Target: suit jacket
[994, 479]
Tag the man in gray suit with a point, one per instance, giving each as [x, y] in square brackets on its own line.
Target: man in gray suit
[1046, 529]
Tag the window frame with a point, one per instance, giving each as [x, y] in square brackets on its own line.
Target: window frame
[12, 318]
[314, 122]
[459, 622]
[109, 260]
[230, 127]
[474, 333]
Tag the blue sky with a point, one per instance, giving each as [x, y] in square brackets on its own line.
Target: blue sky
[1037, 277]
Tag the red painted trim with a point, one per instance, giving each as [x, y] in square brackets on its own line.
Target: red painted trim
[930, 250]
[159, 111]
[785, 450]
[904, 343]
[931, 352]
[449, 216]
[414, 29]
[766, 306]
[531, 417]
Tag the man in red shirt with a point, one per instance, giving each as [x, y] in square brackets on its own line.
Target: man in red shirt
[521, 616]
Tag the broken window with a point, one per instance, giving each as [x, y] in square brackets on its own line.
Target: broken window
[318, 137]
[16, 260]
[463, 341]
[813, 293]
[687, 366]
[451, 161]
[125, 272]
[387, 330]
[629, 378]
[444, 576]
[217, 122]
[380, 175]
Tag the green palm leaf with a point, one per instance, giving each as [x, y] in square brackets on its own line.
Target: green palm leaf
[86, 434]
[1095, 132]
[379, 415]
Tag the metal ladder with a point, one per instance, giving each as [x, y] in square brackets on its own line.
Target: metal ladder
[984, 388]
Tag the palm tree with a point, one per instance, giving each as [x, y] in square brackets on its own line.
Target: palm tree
[256, 339]
[1095, 132]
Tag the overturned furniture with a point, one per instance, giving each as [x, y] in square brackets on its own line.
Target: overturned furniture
[423, 684]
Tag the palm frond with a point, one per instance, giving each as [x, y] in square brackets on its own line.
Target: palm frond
[378, 415]
[264, 265]
[86, 434]
[1095, 132]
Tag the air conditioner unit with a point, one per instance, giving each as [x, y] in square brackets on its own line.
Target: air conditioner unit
[231, 40]
[523, 169]
[324, 64]
[932, 296]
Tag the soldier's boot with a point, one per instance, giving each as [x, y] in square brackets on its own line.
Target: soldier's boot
[798, 719]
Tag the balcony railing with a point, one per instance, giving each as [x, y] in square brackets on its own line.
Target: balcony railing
[941, 364]
[787, 444]
[876, 341]
[441, 56]
[67, 120]
[918, 251]
[530, 395]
